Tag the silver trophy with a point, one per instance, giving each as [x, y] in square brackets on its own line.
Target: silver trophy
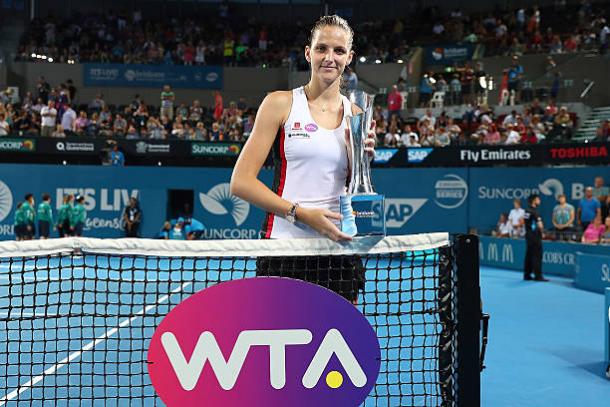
[362, 208]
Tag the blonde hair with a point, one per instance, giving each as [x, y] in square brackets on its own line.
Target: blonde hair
[332, 21]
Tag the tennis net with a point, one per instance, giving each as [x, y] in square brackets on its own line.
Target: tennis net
[77, 314]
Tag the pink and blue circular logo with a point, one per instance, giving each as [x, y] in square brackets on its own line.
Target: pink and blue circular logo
[264, 341]
[311, 127]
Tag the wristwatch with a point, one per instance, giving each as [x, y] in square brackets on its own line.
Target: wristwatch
[291, 216]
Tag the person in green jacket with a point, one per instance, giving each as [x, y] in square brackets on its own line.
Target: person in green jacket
[19, 225]
[45, 217]
[63, 216]
[78, 217]
[30, 215]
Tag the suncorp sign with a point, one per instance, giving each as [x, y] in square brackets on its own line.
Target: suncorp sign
[277, 351]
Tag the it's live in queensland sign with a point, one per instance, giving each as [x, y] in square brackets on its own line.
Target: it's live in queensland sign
[153, 76]
[261, 344]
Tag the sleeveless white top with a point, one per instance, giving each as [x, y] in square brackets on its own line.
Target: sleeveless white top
[311, 166]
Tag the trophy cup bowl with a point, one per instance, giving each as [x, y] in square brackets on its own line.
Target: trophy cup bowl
[362, 208]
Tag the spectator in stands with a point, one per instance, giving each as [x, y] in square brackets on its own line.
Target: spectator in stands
[603, 132]
[441, 137]
[588, 209]
[119, 126]
[594, 231]
[425, 90]
[43, 89]
[503, 228]
[515, 75]
[392, 138]
[516, 219]
[563, 218]
[510, 118]
[195, 112]
[49, 116]
[59, 132]
[167, 102]
[605, 239]
[5, 128]
[513, 137]
[407, 136]
[97, 104]
[563, 125]
[22, 125]
[68, 120]
[456, 90]
[132, 217]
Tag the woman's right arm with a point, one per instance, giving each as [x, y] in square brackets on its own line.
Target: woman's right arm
[271, 115]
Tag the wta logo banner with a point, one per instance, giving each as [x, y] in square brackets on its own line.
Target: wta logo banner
[264, 341]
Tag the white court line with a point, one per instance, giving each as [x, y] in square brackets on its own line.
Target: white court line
[26, 386]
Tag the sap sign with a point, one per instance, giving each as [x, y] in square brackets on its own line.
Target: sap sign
[384, 155]
[399, 211]
[417, 155]
[279, 352]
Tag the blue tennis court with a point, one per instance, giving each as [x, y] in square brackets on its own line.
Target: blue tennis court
[545, 343]
[78, 327]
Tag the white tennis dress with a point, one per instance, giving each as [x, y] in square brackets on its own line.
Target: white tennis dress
[311, 166]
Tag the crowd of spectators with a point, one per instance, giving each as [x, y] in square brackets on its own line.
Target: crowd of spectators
[535, 123]
[558, 29]
[51, 112]
[122, 37]
[588, 223]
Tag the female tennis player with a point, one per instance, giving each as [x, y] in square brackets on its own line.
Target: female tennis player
[306, 128]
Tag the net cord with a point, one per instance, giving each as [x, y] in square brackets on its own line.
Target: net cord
[226, 248]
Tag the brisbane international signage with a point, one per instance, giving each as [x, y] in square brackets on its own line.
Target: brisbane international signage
[272, 341]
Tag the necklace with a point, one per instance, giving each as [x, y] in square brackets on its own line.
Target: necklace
[323, 108]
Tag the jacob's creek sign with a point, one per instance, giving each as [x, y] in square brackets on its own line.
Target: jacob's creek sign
[263, 346]
[215, 149]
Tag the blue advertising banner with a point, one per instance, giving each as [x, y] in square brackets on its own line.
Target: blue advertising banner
[107, 191]
[494, 189]
[448, 54]
[558, 258]
[607, 325]
[418, 199]
[153, 76]
[423, 200]
[592, 271]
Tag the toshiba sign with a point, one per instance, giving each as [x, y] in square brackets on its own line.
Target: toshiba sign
[591, 151]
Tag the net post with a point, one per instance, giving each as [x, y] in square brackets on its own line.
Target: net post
[468, 316]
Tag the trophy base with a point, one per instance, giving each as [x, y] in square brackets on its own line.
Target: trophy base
[363, 215]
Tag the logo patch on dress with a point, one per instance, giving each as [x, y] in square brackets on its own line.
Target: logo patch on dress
[311, 127]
